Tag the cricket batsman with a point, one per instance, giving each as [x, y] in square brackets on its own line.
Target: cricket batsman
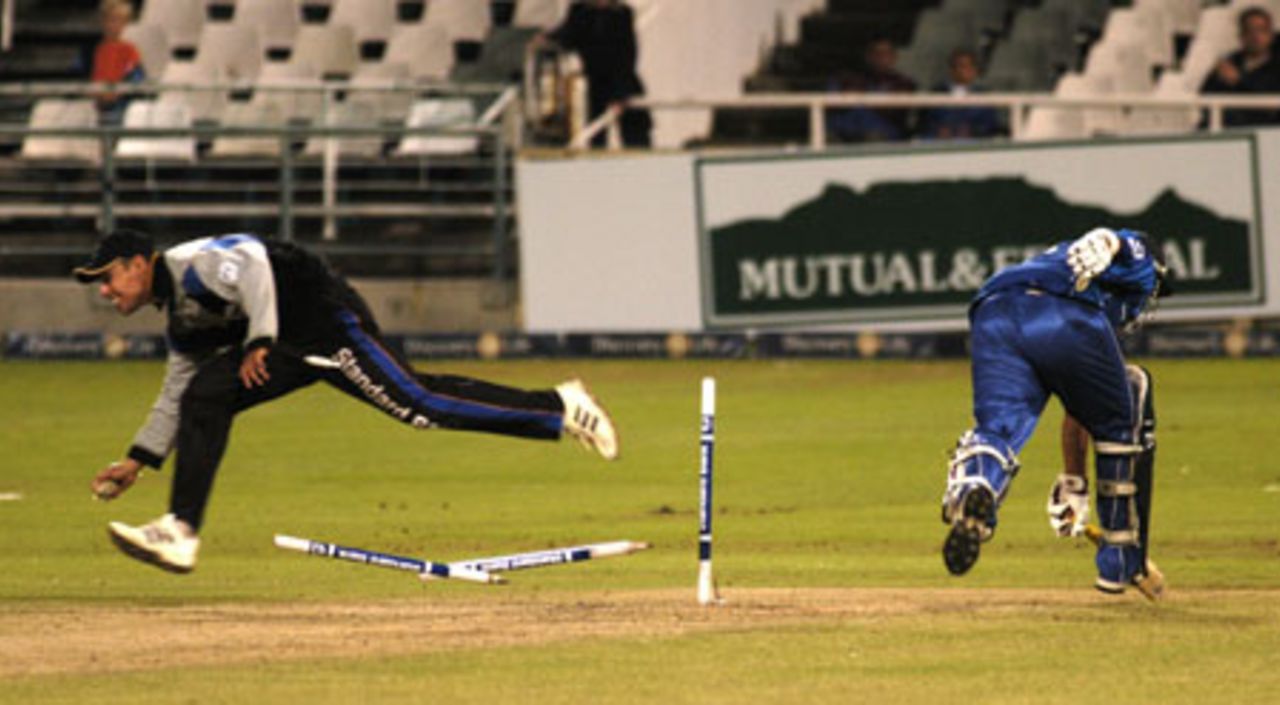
[1050, 326]
[250, 320]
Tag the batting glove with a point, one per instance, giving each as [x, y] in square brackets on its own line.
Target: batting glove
[1068, 505]
[1092, 254]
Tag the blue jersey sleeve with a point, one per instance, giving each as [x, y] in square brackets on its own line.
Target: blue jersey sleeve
[1131, 281]
[1121, 291]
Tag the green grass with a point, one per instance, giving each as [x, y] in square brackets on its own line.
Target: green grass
[828, 476]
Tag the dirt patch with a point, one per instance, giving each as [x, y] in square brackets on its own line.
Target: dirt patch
[48, 639]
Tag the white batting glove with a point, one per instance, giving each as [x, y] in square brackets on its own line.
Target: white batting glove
[1092, 254]
[1068, 505]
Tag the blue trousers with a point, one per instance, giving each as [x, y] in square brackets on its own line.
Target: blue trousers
[1027, 345]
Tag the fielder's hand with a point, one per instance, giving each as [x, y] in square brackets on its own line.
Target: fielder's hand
[253, 369]
[1068, 505]
[1092, 254]
[113, 480]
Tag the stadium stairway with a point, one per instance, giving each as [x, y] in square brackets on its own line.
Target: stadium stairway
[831, 43]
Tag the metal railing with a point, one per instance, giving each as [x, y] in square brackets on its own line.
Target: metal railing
[498, 125]
[1017, 105]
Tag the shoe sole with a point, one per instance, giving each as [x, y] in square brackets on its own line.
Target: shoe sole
[141, 554]
[964, 542]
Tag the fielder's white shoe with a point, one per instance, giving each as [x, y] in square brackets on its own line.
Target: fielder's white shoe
[586, 420]
[165, 543]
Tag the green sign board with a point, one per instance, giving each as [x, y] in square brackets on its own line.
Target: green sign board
[920, 245]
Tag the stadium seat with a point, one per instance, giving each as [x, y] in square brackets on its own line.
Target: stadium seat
[926, 65]
[444, 114]
[371, 20]
[1020, 66]
[248, 115]
[501, 57]
[462, 20]
[1050, 28]
[1150, 29]
[59, 113]
[351, 113]
[181, 20]
[1216, 35]
[986, 15]
[944, 29]
[1061, 123]
[232, 49]
[145, 113]
[1165, 121]
[543, 14]
[1080, 14]
[205, 105]
[1182, 14]
[1125, 64]
[294, 106]
[425, 49]
[276, 21]
[153, 44]
[390, 106]
[331, 49]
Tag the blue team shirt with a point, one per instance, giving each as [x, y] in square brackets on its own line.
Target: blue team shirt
[1122, 290]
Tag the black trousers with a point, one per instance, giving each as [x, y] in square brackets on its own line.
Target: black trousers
[635, 124]
[366, 370]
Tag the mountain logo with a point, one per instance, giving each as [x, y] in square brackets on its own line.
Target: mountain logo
[922, 248]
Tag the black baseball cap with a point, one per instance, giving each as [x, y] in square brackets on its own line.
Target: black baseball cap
[118, 244]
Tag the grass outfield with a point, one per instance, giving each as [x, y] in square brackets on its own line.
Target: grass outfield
[827, 536]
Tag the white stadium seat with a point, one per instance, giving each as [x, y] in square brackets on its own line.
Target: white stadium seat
[425, 49]
[1216, 36]
[200, 104]
[298, 105]
[440, 113]
[1060, 123]
[249, 115]
[1125, 64]
[1151, 30]
[145, 113]
[153, 44]
[371, 20]
[543, 14]
[181, 19]
[351, 113]
[1165, 121]
[232, 49]
[461, 19]
[275, 21]
[1181, 14]
[392, 106]
[59, 113]
[331, 49]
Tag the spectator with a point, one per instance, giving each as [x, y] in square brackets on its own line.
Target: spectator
[1255, 68]
[961, 122]
[879, 75]
[115, 60]
[603, 33]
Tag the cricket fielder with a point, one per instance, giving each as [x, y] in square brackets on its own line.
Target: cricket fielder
[250, 320]
[1049, 326]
